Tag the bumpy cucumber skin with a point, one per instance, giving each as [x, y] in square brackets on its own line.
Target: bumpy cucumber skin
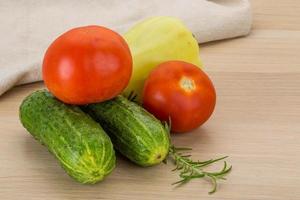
[135, 133]
[79, 143]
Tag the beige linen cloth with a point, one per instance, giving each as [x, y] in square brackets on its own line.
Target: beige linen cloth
[28, 27]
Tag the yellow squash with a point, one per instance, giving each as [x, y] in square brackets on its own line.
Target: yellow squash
[156, 40]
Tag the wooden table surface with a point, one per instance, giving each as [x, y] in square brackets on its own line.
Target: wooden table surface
[256, 123]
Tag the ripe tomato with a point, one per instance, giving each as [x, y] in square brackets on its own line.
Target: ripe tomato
[87, 65]
[181, 91]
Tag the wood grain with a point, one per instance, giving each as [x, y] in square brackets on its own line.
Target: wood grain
[256, 123]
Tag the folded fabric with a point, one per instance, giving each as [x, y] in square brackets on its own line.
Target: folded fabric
[28, 27]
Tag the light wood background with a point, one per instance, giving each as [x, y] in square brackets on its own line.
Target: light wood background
[256, 123]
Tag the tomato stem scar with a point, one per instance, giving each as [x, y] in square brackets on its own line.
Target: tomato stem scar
[187, 84]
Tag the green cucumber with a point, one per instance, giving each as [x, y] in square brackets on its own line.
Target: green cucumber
[135, 133]
[78, 142]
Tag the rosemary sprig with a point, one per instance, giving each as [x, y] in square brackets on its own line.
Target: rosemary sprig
[190, 169]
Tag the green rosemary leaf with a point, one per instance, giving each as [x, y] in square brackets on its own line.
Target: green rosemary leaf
[182, 148]
[214, 181]
[203, 164]
[179, 182]
[186, 156]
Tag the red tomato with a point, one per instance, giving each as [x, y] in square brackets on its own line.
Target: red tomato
[181, 91]
[87, 65]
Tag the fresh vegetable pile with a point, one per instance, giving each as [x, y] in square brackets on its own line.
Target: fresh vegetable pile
[107, 93]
